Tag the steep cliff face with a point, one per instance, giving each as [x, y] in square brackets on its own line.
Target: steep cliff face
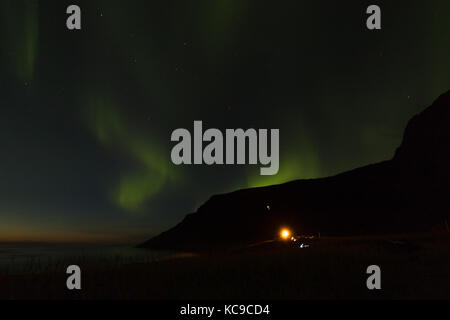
[409, 193]
[426, 141]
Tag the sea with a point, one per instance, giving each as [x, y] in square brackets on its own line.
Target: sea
[33, 257]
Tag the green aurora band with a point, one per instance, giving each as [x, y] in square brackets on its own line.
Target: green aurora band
[152, 165]
[20, 29]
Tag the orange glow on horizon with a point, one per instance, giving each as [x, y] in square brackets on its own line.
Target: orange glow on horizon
[17, 233]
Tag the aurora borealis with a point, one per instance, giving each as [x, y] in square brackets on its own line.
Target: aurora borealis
[87, 115]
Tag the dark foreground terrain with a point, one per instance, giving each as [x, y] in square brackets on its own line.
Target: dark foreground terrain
[331, 268]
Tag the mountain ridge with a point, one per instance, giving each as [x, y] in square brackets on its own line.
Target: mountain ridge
[408, 193]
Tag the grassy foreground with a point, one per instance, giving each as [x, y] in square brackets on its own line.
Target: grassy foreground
[329, 269]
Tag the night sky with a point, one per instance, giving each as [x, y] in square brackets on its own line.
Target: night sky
[86, 116]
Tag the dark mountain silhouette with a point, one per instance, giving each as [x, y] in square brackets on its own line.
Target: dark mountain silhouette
[409, 193]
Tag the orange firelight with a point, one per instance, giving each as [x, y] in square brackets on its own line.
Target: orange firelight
[285, 234]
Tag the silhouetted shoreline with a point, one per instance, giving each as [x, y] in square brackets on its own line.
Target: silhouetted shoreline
[332, 268]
